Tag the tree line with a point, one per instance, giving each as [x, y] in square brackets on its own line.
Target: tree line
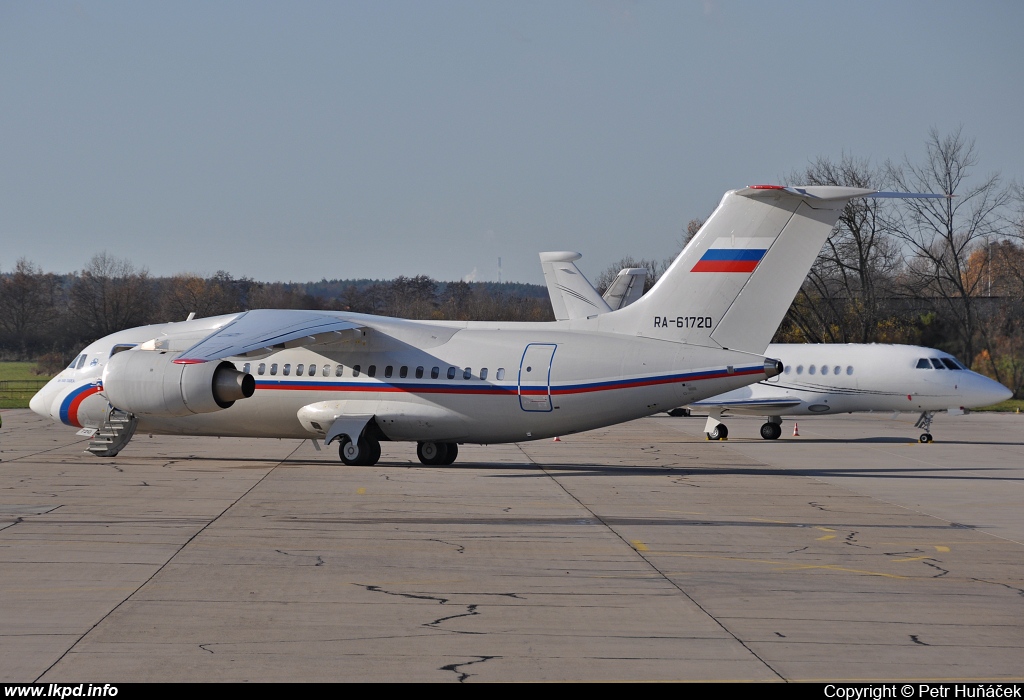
[945, 273]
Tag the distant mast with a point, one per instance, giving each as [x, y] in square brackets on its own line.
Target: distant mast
[499, 270]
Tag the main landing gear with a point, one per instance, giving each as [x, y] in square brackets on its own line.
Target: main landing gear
[435, 454]
[719, 432]
[365, 452]
[925, 424]
[771, 431]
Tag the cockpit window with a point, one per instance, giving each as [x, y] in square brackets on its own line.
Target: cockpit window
[937, 363]
[75, 361]
[950, 363]
[81, 361]
[923, 363]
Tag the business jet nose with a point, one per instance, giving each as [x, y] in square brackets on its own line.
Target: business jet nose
[986, 392]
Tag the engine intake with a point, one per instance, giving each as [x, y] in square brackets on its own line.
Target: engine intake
[146, 382]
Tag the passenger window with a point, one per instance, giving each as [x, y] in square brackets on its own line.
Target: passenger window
[923, 363]
[403, 373]
[786, 370]
[451, 373]
[246, 367]
[483, 373]
[434, 372]
[327, 370]
[355, 370]
[419, 373]
[312, 370]
[339, 371]
[262, 368]
[371, 371]
[812, 369]
[273, 368]
[388, 371]
[836, 370]
[298, 370]
[849, 369]
[501, 373]
[937, 363]
[467, 373]
[287, 369]
[799, 369]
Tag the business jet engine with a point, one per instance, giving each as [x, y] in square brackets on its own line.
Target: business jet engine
[150, 382]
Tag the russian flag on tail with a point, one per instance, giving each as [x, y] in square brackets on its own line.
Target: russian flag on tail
[733, 254]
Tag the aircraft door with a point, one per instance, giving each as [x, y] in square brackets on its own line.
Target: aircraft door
[535, 377]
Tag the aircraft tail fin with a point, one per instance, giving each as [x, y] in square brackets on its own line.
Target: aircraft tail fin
[732, 284]
[572, 296]
[627, 287]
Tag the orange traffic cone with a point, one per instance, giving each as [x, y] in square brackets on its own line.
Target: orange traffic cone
[557, 439]
[796, 430]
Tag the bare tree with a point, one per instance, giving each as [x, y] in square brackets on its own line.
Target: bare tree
[27, 304]
[109, 295]
[941, 234]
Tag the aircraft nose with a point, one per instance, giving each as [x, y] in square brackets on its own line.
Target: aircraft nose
[40, 403]
[989, 391]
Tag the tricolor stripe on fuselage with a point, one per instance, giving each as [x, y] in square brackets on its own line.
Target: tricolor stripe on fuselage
[733, 255]
[69, 406]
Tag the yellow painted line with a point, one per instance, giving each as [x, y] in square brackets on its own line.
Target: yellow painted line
[639, 546]
[823, 528]
[911, 559]
[826, 537]
[360, 491]
[941, 548]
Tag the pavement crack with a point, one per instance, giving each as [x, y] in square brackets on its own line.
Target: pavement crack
[464, 676]
[916, 640]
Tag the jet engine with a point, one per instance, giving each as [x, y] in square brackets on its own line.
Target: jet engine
[145, 382]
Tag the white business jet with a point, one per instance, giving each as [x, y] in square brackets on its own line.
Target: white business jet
[361, 379]
[818, 378]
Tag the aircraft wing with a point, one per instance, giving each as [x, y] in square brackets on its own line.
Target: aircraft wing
[748, 404]
[264, 329]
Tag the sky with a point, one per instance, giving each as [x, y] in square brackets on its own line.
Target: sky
[306, 140]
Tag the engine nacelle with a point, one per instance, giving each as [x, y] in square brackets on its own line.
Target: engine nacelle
[146, 382]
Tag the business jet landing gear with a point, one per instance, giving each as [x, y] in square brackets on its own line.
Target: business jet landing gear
[435, 454]
[714, 428]
[925, 424]
[365, 452]
[772, 430]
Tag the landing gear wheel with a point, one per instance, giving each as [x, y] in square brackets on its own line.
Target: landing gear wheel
[433, 453]
[719, 433]
[452, 450]
[362, 453]
[926, 438]
[771, 431]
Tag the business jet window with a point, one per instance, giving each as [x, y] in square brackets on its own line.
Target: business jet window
[451, 373]
[261, 369]
[298, 370]
[371, 371]
[435, 372]
[355, 370]
[388, 371]
[812, 369]
[467, 374]
[483, 373]
[799, 369]
[824, 370]
[949, 363]
[419, 372]
[849, 369]
[787, 369]
[339, 371]
[312, 370]
[287, 369]
[404, 372]
[501, 373]
[937, 363]
[273, 368]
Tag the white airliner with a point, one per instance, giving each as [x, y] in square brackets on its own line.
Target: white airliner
[362, 379]
[818, 378]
